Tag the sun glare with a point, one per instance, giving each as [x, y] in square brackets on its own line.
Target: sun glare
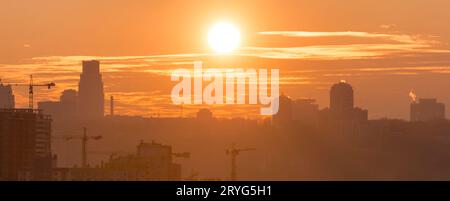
[223, 37]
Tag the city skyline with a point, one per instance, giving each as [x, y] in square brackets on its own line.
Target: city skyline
[382, 48]
[188, 110]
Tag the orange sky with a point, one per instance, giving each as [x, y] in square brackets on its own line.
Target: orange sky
[383, 48]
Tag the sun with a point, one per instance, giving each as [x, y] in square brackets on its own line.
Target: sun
[223, 37]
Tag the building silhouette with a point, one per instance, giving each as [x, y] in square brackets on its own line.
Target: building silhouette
[298, 111]
[69, 102]
[152, 161]
[305, 111]
[284, 114]
[427, 109]
[6, 97]
[25, 152]
[342, 104]
[90, 91]
[204, 114]
[64, 109]
[51, 108]
[341, 97]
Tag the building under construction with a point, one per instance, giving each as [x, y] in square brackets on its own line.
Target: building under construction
[152, 162]
[25, 152]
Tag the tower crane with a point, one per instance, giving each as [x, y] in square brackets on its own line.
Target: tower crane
[182, 155]
[84, 139]
[31, 86]
[234, 152]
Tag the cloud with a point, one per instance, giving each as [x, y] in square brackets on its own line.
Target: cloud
[387, 26]
[338, 52]
[386, 45]
[403, 38]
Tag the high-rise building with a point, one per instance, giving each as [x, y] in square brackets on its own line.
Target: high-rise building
[68, 103]
[296, 111]
[305, 111]
[90, 91]
[427, 109]
[6, 97]
[64, 109]
[342, 104]
[341, 97]
[25, 152]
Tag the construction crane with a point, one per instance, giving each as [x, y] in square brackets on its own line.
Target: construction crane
[234, 152]
[182, 155]
[192, 176]
[84, 139]
[31, 86]
[112, 154]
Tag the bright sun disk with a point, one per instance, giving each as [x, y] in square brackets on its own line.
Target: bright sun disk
[223, 37]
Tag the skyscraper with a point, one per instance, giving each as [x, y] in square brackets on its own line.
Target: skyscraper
[6, 97]
[64, 109]
[90, 91]
[68, 101]
[341, 97]
[342, 106]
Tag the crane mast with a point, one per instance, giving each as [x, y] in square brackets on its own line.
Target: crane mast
[234, 152]
[31, 86]
[84, 140]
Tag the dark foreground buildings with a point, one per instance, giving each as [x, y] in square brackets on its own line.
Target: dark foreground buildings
[152, 162]
[25, 145]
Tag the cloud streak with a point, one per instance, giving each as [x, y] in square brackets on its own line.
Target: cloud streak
[386, 45]
[402, 38]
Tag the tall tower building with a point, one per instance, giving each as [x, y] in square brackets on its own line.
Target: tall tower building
[68, 101]
[342, 106]
[284, 114]
[6, 97]
[90, 91]
[64, 109]
[341, 97]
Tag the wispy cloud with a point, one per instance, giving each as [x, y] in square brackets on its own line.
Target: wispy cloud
[403, 38]
[387, 44]
[387, 26]
[337, 52]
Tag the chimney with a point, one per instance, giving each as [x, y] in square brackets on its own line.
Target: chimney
[111, 107]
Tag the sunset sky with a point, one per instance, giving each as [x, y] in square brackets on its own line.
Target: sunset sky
[383, 48]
